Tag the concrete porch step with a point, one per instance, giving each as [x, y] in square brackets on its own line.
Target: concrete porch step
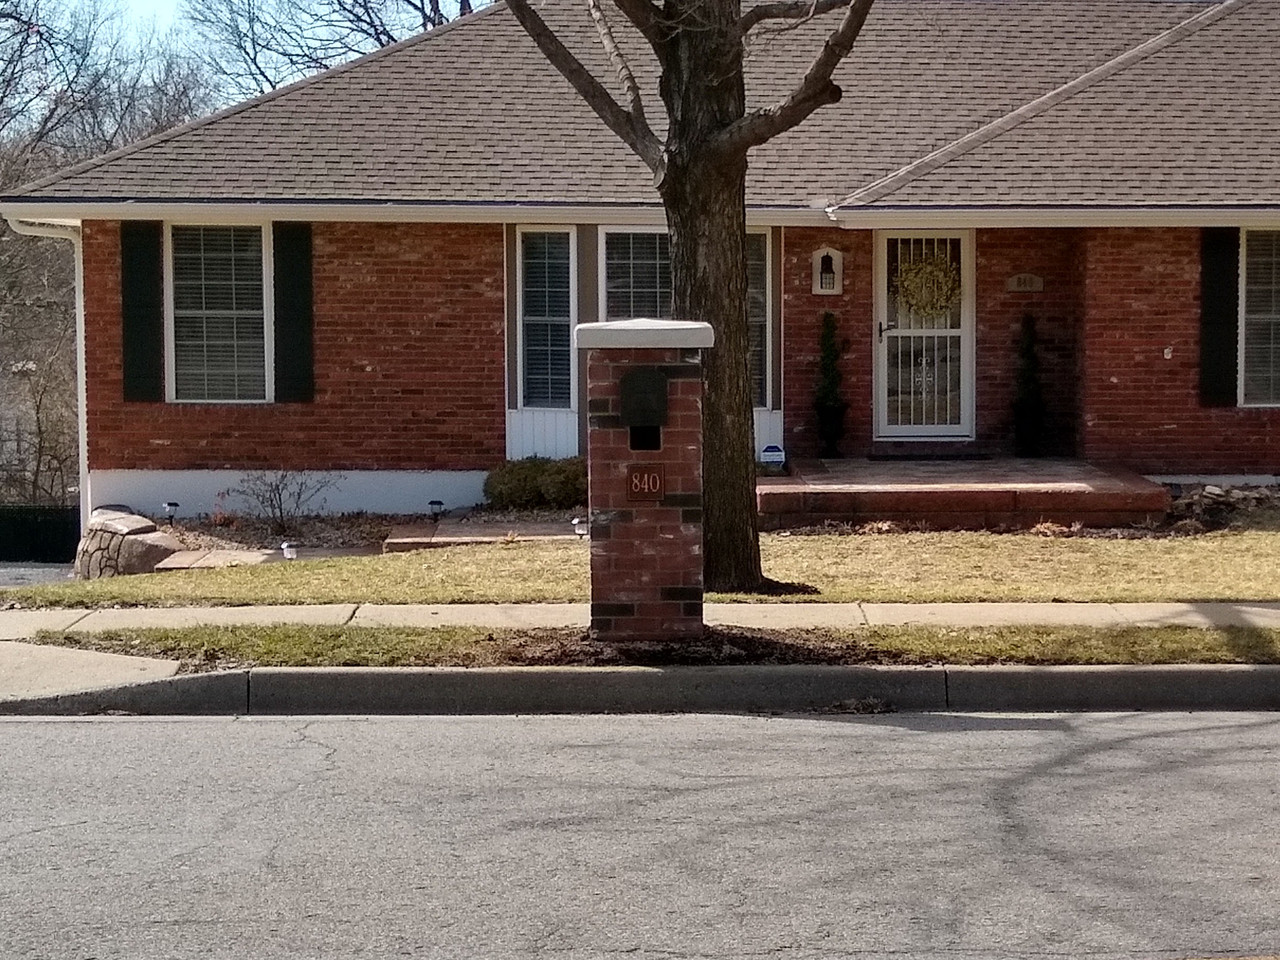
[959, 495]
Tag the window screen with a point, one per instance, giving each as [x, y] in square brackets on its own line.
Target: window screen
[1262, 317]
[218, 322]
[545, 305]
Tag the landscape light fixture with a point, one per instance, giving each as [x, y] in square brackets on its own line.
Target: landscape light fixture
[435, 508]
[289, 550]
[581, 526]
[170, 508]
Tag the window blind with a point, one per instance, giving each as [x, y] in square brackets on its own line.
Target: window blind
[219, 331]
[546, 317]
[638, 284]
[1261, 365]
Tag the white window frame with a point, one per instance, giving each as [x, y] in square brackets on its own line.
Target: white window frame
[769, 293]
[268, 312]
[572, 231]
[1241, 294]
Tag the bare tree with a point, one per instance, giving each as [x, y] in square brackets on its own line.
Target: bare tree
[700, 168]
[74, 82]
[253, 46]
[38, 439]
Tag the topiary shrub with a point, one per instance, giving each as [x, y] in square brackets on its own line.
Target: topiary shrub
[828, 404]
[537, 482]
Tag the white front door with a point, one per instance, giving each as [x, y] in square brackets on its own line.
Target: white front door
[924, 345]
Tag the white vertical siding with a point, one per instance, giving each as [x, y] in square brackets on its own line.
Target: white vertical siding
[542, 433]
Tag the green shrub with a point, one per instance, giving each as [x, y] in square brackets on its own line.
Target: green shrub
[564, 483]
[537, 482]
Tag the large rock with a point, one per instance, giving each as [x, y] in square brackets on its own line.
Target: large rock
[116, 544]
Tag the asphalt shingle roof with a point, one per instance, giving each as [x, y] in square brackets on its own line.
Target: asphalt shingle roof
[472, 113]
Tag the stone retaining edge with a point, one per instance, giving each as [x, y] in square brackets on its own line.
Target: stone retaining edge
[758, 689]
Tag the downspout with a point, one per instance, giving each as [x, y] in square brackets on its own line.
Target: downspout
[58, 231]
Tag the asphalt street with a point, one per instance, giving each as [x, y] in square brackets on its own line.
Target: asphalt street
[920, 836]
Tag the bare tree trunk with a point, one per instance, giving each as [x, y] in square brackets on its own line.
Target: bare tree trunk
[706, 221]
[704, 191]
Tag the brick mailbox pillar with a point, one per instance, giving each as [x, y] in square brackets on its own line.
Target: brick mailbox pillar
[644, 476]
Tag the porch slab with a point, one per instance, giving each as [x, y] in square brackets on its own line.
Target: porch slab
[959, 494]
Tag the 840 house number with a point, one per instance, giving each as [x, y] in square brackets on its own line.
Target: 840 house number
[646, 481]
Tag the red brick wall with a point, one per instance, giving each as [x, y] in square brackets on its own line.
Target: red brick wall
[646, 555]
[802, 312]
[1051, 254]
[1142, 296]
[1054, 256]
[408, 363]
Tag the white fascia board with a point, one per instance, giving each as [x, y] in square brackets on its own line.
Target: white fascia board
[71, 213]
[953, 218]
[222, 212]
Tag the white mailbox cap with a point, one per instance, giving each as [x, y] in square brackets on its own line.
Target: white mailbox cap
[643, 333]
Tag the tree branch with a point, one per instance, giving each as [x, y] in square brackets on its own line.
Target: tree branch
[787, 10]
[814, 90]
[644, 17]
[619, 61]
[636, 135]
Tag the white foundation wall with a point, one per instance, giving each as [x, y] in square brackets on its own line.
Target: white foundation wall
[371, 491]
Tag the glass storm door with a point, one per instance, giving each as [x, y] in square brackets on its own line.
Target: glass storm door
[924, 336]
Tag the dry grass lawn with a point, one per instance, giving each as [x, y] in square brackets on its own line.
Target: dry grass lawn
[310, 646]
[910, 567]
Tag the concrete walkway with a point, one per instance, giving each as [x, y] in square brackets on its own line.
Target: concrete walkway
[40, 679]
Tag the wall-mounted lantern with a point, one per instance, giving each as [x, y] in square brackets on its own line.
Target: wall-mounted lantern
[828, 271]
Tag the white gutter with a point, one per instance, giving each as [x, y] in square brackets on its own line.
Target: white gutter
[60, 231]
[72, 213]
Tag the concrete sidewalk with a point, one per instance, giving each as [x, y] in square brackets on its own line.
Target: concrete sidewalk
[41, 679]
[25, 624]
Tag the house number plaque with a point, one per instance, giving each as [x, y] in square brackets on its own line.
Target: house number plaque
[1024, 283]
[646, 481]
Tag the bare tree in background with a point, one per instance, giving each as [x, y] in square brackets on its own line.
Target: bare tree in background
[700, 168]
[253, 46]
[74, 82]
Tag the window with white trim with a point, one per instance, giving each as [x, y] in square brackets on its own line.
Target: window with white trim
[546, 319]
[1260, 329]
[219, 318]
[637, 283]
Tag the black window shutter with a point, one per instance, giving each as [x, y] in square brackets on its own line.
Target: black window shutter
[142, 309]
[291, 250]
[1219, 315]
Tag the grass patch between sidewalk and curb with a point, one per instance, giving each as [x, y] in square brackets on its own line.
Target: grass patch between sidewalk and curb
[207, 648]
[907, 568]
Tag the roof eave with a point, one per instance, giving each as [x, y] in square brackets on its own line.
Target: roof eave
[72, 211]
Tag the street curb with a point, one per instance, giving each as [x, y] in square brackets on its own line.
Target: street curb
[225, 693]
[505, 690]
[1107, 688]
[750, 689]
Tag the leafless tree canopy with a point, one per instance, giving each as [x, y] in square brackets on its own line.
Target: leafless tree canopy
[700, 168]
[74, 82]
[253, 46]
